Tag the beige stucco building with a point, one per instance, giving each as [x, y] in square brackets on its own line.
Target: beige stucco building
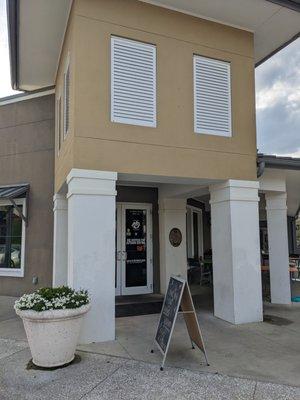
[155, 126]
[26, 162]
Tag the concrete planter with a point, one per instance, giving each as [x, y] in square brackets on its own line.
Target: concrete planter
[52, 335]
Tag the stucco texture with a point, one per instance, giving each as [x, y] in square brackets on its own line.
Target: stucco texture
[172, 148]
[27, 156]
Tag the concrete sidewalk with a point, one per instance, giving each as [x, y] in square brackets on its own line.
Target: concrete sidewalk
[104, 377]
[244, 360]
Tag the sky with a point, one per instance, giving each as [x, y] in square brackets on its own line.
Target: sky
[278, 103]
[277, 95]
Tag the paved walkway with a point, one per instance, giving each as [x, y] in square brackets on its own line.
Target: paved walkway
[103, 377]
[262, 352]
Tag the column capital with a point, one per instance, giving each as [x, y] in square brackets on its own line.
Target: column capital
[275, 201]
[91, 182]
[234, 190]
[60, 202]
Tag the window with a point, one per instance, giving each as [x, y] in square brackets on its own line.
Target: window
[212, 97]
[58, 123]
[133, 82]
[67, 99]
[12, 239]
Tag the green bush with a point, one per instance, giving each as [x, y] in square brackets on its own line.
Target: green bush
[59, 298]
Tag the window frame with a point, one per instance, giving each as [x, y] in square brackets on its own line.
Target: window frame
[124, 120]
[190, 231]
[67, 71]
[18, 272]
[212, 132]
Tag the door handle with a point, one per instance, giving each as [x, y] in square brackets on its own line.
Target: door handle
[119, 255]
[124, 255]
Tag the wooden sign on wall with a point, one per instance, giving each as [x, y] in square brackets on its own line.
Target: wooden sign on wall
[178, 294]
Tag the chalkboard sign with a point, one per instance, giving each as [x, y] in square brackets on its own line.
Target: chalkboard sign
[178, 295]
[169, 313]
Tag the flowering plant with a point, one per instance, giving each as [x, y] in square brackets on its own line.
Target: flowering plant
[58, 298]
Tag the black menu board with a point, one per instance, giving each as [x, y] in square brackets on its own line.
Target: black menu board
[169, 313]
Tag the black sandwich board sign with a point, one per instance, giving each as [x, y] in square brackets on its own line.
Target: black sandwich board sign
[178, 295]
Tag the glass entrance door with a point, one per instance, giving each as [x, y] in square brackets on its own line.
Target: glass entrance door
[134, 269]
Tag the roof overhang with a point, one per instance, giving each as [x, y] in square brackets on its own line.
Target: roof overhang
[290, 168]
[279, 162]
[36, 30]
[37, 27]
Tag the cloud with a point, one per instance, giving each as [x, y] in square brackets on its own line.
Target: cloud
[278, 102]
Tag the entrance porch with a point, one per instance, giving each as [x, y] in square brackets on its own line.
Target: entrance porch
[111, 239]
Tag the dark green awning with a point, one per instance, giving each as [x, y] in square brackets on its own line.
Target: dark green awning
[15, 192]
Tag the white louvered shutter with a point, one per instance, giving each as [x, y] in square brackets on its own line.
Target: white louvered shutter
[212, 96]
[67, 100]
[133, 82]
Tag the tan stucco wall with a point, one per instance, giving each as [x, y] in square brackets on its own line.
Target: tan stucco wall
[27, 156]
[171, 149]
[64, 157]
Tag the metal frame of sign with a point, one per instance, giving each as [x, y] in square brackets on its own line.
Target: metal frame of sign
[193, 311]
[164, 353]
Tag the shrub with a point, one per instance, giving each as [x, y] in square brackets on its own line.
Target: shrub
[58, 298]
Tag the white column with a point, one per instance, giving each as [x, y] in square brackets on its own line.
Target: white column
[173, 260]
[278, 248]
[60, 241]
[236, 251]
[91, 244]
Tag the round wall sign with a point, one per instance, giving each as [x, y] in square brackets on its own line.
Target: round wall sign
[175, 237]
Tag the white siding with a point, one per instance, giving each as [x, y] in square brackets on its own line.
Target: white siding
[212, 96]
[133, 82]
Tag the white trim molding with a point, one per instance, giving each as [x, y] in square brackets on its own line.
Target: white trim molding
[234, 190]
[24, 96]
[276, 201]
[87, 182]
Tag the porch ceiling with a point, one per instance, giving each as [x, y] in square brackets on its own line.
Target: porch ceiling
[274, 22]
[37, 27]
